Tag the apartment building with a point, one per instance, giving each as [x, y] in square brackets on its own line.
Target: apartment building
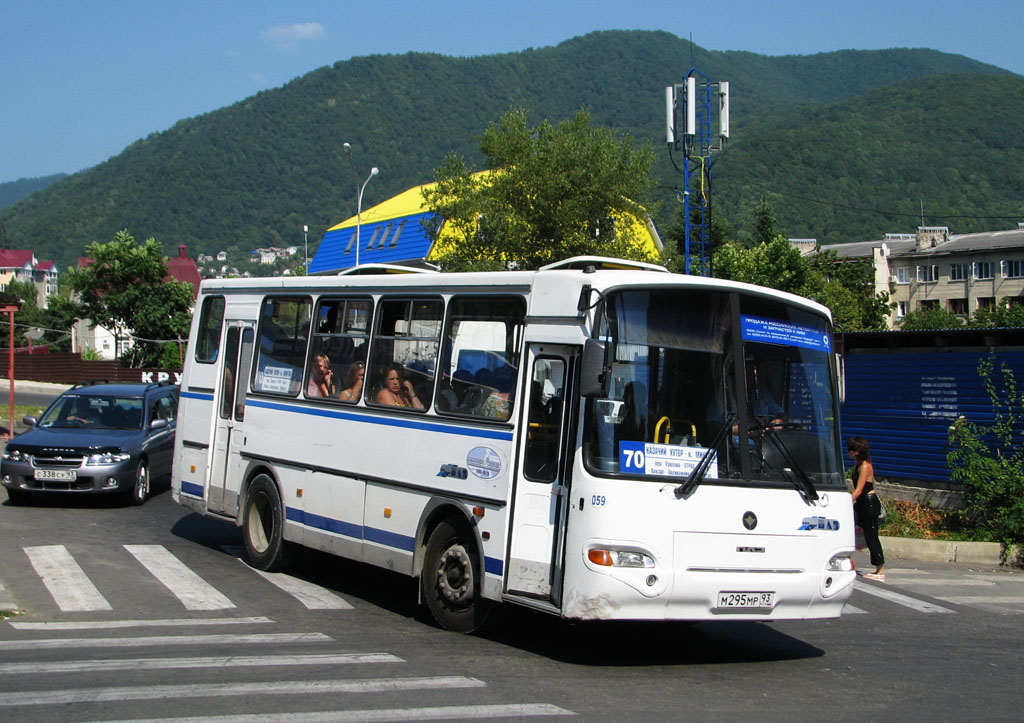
[22, 265]
[935, 269]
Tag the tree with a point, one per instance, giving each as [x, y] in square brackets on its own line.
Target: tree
[846, 288]
[124, 290]
[1001, 315]
[926, 319]
[553, 191]
[988, 460]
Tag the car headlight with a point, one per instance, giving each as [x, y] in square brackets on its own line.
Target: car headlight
[619, 558]
[842, 562]
[108, 457]
[16, 455]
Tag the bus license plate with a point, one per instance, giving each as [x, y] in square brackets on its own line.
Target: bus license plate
[746, 600]
[65, 475]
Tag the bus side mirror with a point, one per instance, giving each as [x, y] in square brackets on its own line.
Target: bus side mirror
[841, 377]
[594, 371]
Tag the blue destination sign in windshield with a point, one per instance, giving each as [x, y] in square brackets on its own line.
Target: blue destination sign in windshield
[772, 331]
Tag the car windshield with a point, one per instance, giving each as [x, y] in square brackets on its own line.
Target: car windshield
[73, 411]
[747, 376]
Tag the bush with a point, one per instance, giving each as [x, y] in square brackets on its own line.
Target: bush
[988, 460]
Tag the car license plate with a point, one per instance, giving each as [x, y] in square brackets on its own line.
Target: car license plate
[741, 600]
[65, 475]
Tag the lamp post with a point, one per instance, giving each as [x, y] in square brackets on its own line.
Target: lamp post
[359, 192]
[305, 250]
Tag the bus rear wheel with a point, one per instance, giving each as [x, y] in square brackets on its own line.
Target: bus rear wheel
[263, 527]
[451, 580]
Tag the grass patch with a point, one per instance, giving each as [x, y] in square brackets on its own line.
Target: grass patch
[910, 519]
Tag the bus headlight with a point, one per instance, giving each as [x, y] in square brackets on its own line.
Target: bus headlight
[841, 562]
[619, 558]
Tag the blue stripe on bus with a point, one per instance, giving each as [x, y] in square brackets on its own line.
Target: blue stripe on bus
[385, 421]
[329, 524]
[492, 565]
[197, 395]
[191, 488]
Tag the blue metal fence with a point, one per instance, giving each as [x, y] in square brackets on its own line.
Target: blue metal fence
[903, 402]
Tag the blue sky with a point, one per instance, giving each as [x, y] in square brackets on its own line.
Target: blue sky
[82, 79]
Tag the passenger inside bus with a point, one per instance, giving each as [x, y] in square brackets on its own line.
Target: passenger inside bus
[321, 378]
[353, 382]
[395, 390]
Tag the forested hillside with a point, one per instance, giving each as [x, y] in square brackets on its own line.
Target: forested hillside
[14, 191]
[854, 126]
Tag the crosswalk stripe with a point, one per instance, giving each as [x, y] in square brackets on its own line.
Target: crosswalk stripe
[167, 640]
[235, 689]
[194, 592]
[986, 599]
[849, 609]
[312, 596]
[113, 624]
[227, 661]
[70, 588]
[937, 582]
[905, 600]
[447, 712]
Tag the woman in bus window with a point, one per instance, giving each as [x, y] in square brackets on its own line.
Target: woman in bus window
[353, 382]
[321, 378]
[397, 390]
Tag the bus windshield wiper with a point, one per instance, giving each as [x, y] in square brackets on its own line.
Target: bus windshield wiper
[705, 462]
[802, 481]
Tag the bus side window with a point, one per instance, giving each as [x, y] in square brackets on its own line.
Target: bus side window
[408, 335]
[341, 334]
[284, 330]
[480, 358]
[210, 322]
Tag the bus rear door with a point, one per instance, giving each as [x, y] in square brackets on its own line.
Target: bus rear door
[222, 495]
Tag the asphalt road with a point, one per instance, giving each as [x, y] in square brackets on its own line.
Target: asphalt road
[147, 613]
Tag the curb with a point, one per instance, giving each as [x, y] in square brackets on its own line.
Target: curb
[975, 553]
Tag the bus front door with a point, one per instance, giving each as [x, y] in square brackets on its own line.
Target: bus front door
[541, 488]
[222, 493]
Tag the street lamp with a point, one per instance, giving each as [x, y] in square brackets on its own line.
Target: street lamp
[305, 250]
[359, 194]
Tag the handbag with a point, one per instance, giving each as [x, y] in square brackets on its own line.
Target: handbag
[882, 512]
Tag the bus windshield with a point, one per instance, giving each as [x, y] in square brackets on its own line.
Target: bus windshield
[747, 375]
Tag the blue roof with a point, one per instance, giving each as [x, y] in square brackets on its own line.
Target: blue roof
[382, 242]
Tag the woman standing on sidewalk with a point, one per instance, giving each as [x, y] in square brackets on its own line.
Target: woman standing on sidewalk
[866, 505]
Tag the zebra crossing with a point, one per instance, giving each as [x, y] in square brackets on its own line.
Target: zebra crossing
[73, 591]
[62, 669]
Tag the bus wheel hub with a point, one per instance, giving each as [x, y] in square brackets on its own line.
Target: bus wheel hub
[454, 574]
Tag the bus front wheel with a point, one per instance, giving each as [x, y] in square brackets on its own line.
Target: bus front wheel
[451, 580]
[263, 527]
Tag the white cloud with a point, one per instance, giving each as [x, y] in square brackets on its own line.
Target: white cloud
[259, 78]
[287, 37]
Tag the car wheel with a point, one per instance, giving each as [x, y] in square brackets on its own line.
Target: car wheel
[451, 581]
[263, 527]
[139, 492]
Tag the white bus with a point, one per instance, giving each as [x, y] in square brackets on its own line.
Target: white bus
[598, 439]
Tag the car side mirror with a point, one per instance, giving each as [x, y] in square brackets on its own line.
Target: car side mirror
[158, 424]
[29, 421]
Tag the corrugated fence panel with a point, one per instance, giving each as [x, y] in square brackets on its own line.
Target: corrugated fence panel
[903, 403]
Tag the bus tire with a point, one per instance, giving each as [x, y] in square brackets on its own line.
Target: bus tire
[451, 580]
[263, 527]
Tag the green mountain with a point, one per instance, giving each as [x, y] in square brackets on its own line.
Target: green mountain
[252, 174]
[14, 191]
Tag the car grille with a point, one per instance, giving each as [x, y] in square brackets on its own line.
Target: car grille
[63, 461]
